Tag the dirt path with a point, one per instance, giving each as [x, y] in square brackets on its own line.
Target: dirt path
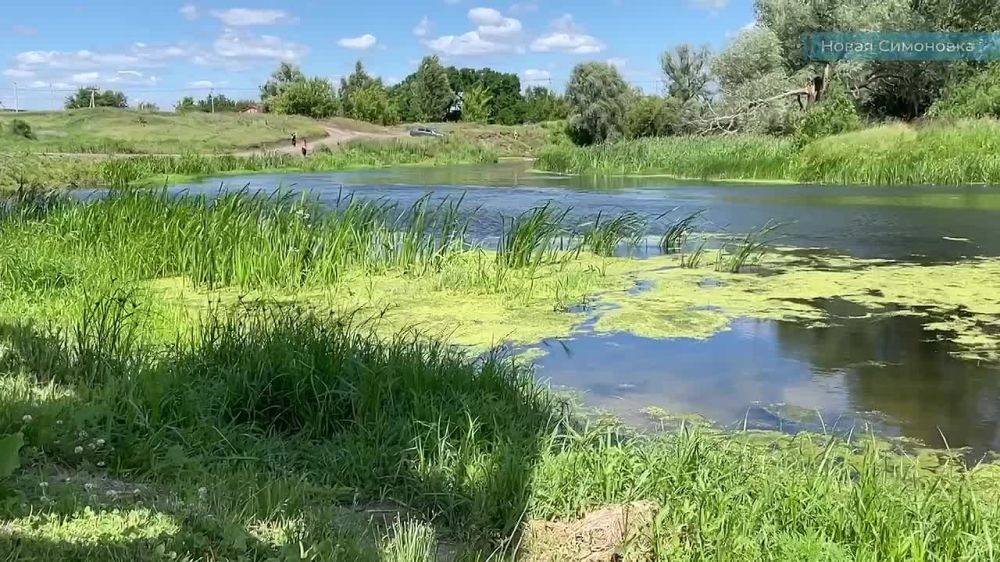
[334, 136]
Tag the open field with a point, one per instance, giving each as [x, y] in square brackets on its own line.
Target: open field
[249, 378]
[115, 131]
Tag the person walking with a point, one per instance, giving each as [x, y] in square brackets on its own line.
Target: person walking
[305, 148]
[294, 139]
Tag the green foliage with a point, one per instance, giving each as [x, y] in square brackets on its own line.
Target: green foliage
[686, 73]
[654, 116]
[506, 106]
[10, 459]
[286, 74]
[357, 81]
[597, 96]
[101, 98]
[833, 115]
[476, 104]
[312, 97]
[542, 104]
[20, 128]
[426, 95]
[218, 103]
[976, 96]
[755, 53]
[372, 104]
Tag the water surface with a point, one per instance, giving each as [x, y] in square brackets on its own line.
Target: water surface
[888, 373]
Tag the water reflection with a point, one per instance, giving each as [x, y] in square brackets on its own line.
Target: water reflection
[889, 373]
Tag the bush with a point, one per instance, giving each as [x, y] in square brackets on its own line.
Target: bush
[834, 115]
[653, 116]
[21, 128]
[372, 104]
[312, 97]
[977, 96]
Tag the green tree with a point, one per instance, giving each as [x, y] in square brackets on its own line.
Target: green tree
[372, 104]
[312, 97]
[597, 97]
[430, 96]
[686, 73]
[285, 75]
[101, 98]
[755, 53]
[476, 104]
[542, 104]
[504, 88]
[357, 81]
[186, 103]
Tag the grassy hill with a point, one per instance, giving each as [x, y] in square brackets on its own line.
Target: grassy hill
[133, 132]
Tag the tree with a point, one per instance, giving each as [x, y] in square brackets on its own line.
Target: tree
[755, 53]
[430, 95]
[975, 96]
[504, 88]
[286, 74]
[372, 104]
[186, 103]
[834, 115]
[542, 104]
[312, 97]
[101, 98]
[686, 73]
[596, 94]
[476, 104]
[357, 81]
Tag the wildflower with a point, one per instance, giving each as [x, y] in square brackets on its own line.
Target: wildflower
[100, 442]
[78, 449]
[26, 418]
[43, 484]
[202, 492]
[88, 486]
[58, 422]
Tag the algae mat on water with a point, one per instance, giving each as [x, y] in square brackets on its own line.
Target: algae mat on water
[960, 301]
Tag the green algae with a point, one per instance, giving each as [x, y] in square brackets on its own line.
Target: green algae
[961, 300]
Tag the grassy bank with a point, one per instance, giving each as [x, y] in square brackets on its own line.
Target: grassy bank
[104, 130]
[35, 171]
[265, 414]
[934, 153]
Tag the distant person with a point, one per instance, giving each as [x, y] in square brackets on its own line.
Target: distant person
[294, 139]
[305, 148]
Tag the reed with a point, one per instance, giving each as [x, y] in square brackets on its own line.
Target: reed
[604, 236]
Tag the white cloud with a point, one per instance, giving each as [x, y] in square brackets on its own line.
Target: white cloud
[710, 4]
[567, 37]
[617, 62]
[536, 75]
[201, 84]
[234, 46]
[85, 77]
[494, 33]
[366, 41]
[190, 12]
[242, 17]
[423, 28]
[19, 73]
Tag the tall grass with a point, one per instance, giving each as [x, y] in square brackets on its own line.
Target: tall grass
[938, 152]
[604, 236]
[530, 239]
[284, 412]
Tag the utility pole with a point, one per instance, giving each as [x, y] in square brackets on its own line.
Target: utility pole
[211, 98]
[93, 91]
[17, 102]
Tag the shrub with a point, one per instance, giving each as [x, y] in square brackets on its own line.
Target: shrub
[312, 97]
[977, 96]
[653, 116]
[21, 128]
[834, 115]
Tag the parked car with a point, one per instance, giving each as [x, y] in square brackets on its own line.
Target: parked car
[425, 132]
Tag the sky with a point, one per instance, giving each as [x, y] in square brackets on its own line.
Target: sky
[161, 50]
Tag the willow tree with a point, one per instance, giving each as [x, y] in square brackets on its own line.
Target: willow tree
[597, 96]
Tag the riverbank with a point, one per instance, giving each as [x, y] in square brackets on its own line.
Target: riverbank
[250, 378]
[963, 152]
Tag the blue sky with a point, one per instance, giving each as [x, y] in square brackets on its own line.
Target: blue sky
[162, 50]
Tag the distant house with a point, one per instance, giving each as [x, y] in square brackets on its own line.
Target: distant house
[252, 109]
